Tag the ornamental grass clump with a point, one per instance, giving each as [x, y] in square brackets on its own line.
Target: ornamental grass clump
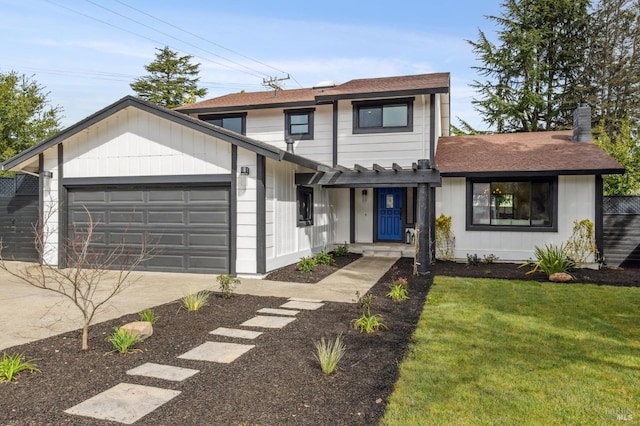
[148, 315]
[12, 365]
[399, 290]
[551, 259]
[368, 322]
[195, 301]
[329, 353]
[123, 340]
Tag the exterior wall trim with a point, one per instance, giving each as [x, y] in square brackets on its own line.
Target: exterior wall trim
[261, 215]
[233, 212]
[599, 214]
[148, 180]
[63, 201]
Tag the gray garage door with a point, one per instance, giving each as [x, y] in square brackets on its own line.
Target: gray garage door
[188, 227]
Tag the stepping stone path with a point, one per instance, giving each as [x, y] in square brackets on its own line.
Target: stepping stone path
[127, 403]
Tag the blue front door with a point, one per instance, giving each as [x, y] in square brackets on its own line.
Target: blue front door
[390, 214]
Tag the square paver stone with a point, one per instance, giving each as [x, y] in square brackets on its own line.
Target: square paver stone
[235, 332]
[275, 311]
[160, 371]
[267, 321]
[297, 304]
[124, 403]
[217, 352]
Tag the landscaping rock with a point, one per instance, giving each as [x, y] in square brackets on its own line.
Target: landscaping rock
[142, 329]
[560, 277]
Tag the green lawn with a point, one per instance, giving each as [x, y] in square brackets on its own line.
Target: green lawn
[515, 352]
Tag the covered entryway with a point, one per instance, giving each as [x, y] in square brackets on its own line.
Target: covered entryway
[188, 226]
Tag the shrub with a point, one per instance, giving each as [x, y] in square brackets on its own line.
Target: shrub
[473, 260]
[148, 315]
[122, 340]
[12, 365]
[329, 353]
[324, 258]
[445, 240]
[550, 260]
[398, 290]
[582, 242]
[194, 301]
[342, 250]
[227, 284]
[368, 322]
[307, 264]
[490, 258]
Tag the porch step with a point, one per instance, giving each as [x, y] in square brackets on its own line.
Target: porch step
[383, 250]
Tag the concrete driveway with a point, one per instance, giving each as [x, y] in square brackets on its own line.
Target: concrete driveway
[28, 313]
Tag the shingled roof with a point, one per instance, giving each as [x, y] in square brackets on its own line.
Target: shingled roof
[530, 153]
[361, 89]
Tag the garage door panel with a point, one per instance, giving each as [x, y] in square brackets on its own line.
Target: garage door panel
[186, 228]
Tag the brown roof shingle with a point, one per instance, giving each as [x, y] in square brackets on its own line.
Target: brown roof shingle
[368, 87]
[544, 152]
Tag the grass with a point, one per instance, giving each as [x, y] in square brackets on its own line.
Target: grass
[329, 353]
[195, 301]
[501, 352]
[148, 315]
[11, 365]
[123, 340]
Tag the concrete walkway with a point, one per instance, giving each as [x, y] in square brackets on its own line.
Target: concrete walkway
[28, 314]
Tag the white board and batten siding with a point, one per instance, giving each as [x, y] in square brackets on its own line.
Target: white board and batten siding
[385, 149]
[130, 143]
[267, 125]
[576, 198]
[286, 242]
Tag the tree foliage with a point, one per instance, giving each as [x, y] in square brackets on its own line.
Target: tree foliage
[531, 77]
[612, 71]
[172, 80]
[26, 116]
[625, 148]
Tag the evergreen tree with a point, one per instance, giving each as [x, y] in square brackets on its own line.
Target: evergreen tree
[625, 148]
[172, 80]
[532, 75]
[611, 82]
[26, 117]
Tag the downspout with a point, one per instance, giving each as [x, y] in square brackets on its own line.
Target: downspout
[335, 133]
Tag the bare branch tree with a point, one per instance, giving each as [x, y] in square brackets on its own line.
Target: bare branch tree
[91, 279]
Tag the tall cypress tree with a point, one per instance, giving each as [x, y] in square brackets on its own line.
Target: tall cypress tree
[531, 77]
[172, 80]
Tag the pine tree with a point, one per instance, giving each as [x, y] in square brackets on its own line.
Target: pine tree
[625, 148]
[532, 76]
[172, 80]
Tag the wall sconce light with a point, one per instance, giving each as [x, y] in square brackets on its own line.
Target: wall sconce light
[364, 195]
[244, 171]
[47, 174]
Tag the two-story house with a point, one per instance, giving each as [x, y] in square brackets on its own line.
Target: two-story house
[249, 182]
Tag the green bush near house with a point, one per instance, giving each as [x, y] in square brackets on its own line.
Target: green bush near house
[307, 264]
[324, 258]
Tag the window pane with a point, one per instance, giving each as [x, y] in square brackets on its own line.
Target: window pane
[299, 128]
[541, 204]
[370, 117]
[480, 203]
[233, 123]
[394, 116]
[299, 119]
[521, 207]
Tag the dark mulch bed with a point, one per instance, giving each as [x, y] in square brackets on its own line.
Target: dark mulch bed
[276, 383]
[291, 274]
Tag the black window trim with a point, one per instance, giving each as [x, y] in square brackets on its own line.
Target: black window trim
[287, 123]
[553, 188]
[242, 115]
[357, 105]
[303, 191]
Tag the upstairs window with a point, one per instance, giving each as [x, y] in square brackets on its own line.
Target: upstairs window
[510, 205]
[233, 122]
[381, 116]
[305, 206]
[298, 124]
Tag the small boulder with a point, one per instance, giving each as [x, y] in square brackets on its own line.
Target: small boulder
[142, 329]
[560, 277]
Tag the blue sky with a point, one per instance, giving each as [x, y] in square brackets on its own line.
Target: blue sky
[86, 52]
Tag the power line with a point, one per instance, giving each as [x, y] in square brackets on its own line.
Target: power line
[203, 39]
[180, 40]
